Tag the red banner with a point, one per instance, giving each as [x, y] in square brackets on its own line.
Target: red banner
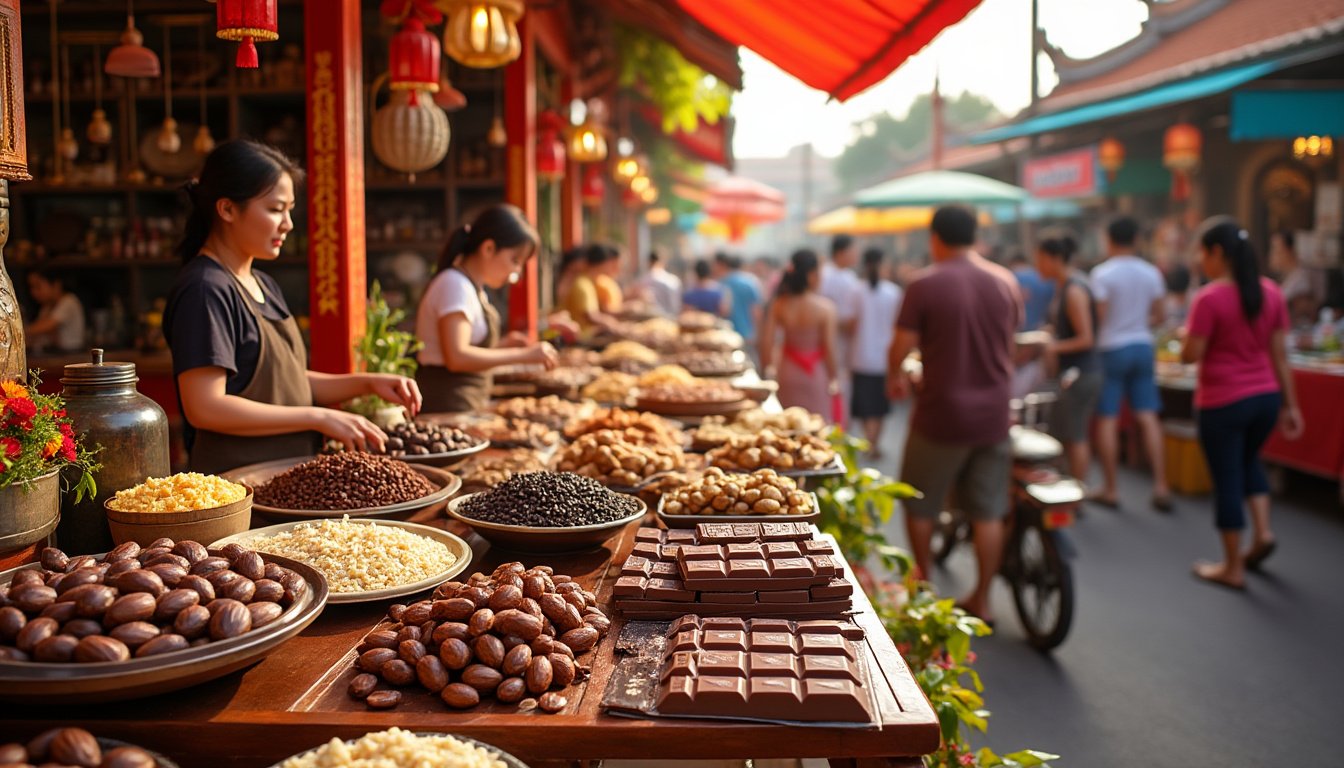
[1068, 174]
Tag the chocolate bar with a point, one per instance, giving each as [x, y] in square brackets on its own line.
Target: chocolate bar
[766, 669]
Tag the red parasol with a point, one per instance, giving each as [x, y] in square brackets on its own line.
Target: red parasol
[740, 202]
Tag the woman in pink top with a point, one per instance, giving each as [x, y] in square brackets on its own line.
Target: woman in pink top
[1236, 333]
[797, 341]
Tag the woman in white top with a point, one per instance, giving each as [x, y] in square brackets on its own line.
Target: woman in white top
[880, 302]
[459, 327]
[60, 320]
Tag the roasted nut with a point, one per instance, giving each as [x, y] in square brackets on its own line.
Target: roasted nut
[450, 630]
[539, 674]
[409, 633]
[453, 609]
[200, 586]
[138, 606]
[512, 690]
[460, 696]
[581, 639]
[12, 654]
[230, 619]
[515, 622]
[418, 613]
[127, 757]
[489, 650]
[570, 619]
[484, 679]
[209, 565]
[505, 597]
[534, 587]
[95, 648]
[169, 573]
[162, 644]
[373, 659]
[481, 621]
[411, 651]
[192, 622]
[32, 598]
[151, 552]
[83, 561]
[57, 648]
[383, 699]
[250, 565]
[241, 590]
[431, 673]
[516, 660]
[13, 753]
[135, 634]
[78, 578]
[11, 621]
[167, 557]
[562, 669]
[478, 596]
[173, 602]
[268, 591]
[599, 622]
[193, 551]
[397, 672]
[264, 613]
[53, 559]
[61, 612]
[82, 628]
[75, 746]
[394, 611]
[542, 645]
[222, 579]
[35, 632]
[381, 639]
[454, 653]
[362, 685]
[552, 702]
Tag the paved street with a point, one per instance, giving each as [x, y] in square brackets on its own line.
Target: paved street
[1160, 669]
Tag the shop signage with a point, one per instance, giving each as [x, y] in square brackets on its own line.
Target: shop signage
[1068, 174]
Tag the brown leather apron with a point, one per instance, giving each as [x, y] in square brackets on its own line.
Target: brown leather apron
[281, 378]
[446, 391]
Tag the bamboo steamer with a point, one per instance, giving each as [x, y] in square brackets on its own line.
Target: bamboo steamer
[202, 525]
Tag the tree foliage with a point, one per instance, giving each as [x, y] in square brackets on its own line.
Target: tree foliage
[683, 92]
[884, 142]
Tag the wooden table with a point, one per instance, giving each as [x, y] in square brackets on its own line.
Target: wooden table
[295, 699]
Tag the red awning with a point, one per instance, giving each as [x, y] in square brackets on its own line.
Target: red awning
[841, 47]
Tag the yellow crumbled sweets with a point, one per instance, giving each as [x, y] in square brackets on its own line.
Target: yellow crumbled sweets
[395, 748]
[359, 557]
[183, 491]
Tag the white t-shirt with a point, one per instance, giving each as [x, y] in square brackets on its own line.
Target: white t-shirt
[876, 326]
[844, 289]
[69, 316]
[1129, 286]
[450, 291]
[665, 288]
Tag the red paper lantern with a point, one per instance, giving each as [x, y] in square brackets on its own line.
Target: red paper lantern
[631, 198]
[550, 156]
[594, 188]
[1181, 146]
[413, 59]
[1111, 156]
[246, 21]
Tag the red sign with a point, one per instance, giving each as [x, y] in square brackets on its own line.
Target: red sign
[1068, 174]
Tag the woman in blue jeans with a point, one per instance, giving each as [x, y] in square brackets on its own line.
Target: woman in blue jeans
[1236, 333]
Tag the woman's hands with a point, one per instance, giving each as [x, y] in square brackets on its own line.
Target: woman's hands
[398, 390]
[353, 431]
[1290, 422]
[543, 354]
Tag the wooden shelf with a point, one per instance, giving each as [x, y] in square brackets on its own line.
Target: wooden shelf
[85, 262]
[383, 184]
[489, 184]
[39, 188]
[409, 245]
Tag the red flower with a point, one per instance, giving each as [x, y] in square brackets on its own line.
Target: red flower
[67, 430]
[11, 447]
[68, 448]
[20, 410]
[967, 759]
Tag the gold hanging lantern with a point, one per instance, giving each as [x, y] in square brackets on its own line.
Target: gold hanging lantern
[409, 138]
[482, 33]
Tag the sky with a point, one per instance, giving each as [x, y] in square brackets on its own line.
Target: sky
[988, 53]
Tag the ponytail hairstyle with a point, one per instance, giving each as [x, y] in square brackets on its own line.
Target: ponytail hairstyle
[239, 170]
[1058, 243]
[801, 266]
[502, 224]
[571, 257]
[1227, 234]
[872, 266]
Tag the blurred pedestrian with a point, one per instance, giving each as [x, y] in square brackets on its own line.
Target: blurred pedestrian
[705, 294]
[1236, 333]
[744, 293]
[1129, 293]
[880, 301]
[59, 324]
[961, 313]
[1037, 292]
[661, 286]
[1294, 280]
[806, 369]
[605, 271]
[1072, 351]
[841, 285]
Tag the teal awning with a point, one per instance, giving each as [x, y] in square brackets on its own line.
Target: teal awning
[1163, 95]
[1287, 114]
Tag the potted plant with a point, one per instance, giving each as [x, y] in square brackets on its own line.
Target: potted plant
[384, 348]
[37, 440]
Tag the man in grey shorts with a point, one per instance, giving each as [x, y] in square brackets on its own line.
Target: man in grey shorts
[961, 314]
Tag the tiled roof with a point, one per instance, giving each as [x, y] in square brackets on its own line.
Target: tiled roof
[1241, 30]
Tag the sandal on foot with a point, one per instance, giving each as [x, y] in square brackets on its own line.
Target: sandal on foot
[1163, 504]
[1217, 580]
[1102, 501]
[1259, 553]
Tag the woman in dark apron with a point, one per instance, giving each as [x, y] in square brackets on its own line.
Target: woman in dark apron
[459, 327]
[238, 357]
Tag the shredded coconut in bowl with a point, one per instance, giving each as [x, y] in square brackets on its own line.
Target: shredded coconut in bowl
[360, 557]
[395, 748]
[178, 493]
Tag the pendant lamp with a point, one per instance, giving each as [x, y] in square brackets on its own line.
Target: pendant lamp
[587, 144]
[594, 188]
[99, 130]
[245, 22]
[131, 58]
[409, 138]
[169, 141]
[66, 146]
[413, 59]
[204, 141]
[482, 33]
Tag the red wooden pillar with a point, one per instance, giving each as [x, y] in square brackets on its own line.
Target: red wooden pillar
[520, 120]
[335, 188]
[571, 198]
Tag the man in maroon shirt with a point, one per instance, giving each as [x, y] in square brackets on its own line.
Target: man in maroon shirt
[960, 313]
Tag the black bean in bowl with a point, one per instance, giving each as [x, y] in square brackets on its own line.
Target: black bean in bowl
[549, 500]
[413, 438]
[348, 480]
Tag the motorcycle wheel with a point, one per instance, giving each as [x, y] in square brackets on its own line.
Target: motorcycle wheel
[1042, 584]
[950, 530]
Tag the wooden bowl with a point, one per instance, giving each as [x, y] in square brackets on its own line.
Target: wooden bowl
[194, 524]
[527, 538]
[256, 475]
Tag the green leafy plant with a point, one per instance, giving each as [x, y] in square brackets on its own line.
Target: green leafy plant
[384, 348]
[931, 632]
[37, 437]
[682, 92]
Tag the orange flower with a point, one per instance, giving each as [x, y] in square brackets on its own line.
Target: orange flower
[51, 448]
[13, 389]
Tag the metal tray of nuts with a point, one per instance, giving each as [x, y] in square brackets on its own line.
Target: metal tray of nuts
[255, 475]
[690, 521]
[504, 757]
[460, 549]
[45, 683]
